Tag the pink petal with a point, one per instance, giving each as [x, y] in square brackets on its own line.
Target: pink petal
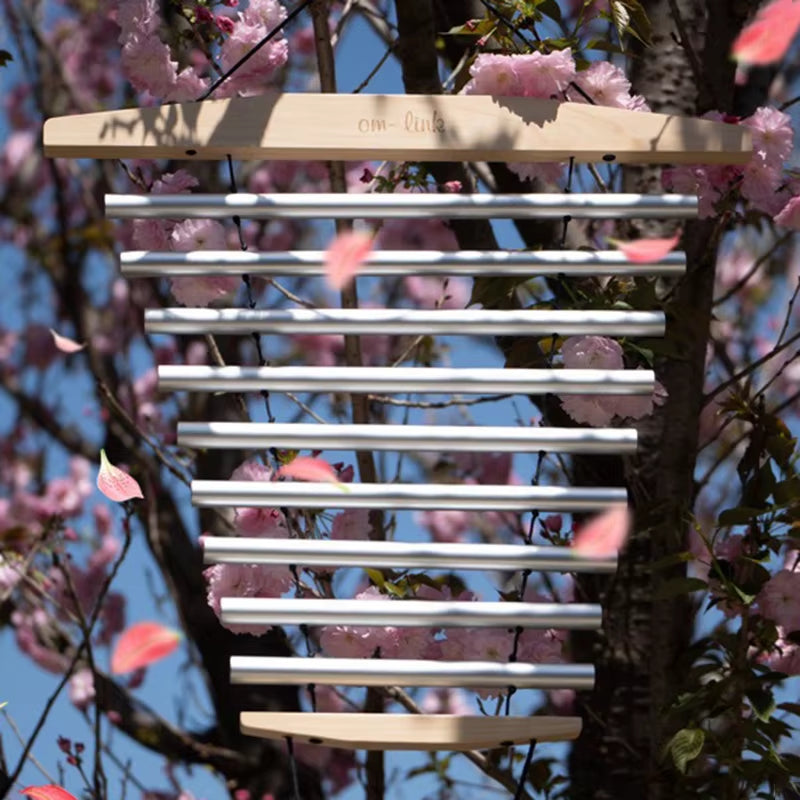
[645, 251]
[66, 345]
[605, 534]
[49, 792]
[345, 256]
[115, 484]
[789, 215]
[141, 645]
[305, 468]
[767, 38]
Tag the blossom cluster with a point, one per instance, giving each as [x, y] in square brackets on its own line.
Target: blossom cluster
[599, 352]
[761, 181]
[149, 64]
[69, 589]
[779, 601]
[551, 76]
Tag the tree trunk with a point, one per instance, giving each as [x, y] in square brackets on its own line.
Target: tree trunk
[638, 654]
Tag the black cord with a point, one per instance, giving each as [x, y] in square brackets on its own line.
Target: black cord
[293, 768]
[526, 766]
[250, 53]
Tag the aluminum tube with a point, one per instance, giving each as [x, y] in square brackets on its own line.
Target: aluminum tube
[283, 494]
[390, 321]
[409, 613]
[413, 205]
[404, 672]
[436, 438]
[394, 263]
[402, 555]
[401, 380]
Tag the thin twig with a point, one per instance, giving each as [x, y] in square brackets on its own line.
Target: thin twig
[31, 757]
[126, 525]
[474, 401]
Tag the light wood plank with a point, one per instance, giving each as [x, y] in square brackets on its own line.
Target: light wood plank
[395, 127]
[407, 731]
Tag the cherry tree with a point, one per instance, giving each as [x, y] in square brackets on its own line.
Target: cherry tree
[701, 625]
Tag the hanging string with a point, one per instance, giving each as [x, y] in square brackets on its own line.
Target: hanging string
[535, 513]
[250, 53]
[567, 190]
[525, 767]
[251, 302]
[293, 768]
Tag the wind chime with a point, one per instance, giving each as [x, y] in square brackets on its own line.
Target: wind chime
[402, 128]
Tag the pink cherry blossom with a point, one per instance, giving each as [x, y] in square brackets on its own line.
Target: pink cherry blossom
[591, 352]
[772, 135]
[784, 656]
[352, 523]
[137, 16]
[446, 700]
[151, 234]
[547, 172]
[607, 85]
[416, 234]
[81, 688]
[245, 580]
[428, 292]
[198, 234]
[348, 641]
[541, 647]
[545, 75]
[446, 525]
[779, 600]
[495, 74]
[258, 70]
[789, 215]
[148, 64]
[11, 573]
[201, 234]
[264, 12]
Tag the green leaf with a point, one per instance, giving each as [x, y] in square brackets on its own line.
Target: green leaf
[787, 490]
[741, 515]
[672, 560]
[762, 703]
[376, 576]
[677, 586]
[620, 16]
[685, 746]
[550, 8]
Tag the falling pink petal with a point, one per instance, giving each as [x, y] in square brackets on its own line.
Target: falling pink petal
[646, 251]
[305, 468]
[115, 484]
[49, 792]
[345, 257]
[66, 345]
[605, 534]
[767, 38]
[141, 645]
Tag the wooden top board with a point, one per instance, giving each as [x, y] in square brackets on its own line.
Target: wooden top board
[408, 731]
[395, 127]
